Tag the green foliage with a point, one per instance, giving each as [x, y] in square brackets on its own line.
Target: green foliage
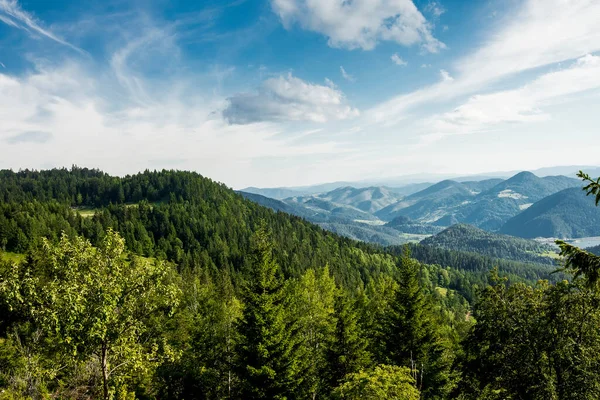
[468, 238]
[581, 262]
[268, 362]
[408, 335]
[383, 382]
[347, 352]
[313, 311]
[93, 304]
[592, 187]
[534, 342]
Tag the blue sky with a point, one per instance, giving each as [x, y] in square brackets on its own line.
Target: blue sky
[295, 92]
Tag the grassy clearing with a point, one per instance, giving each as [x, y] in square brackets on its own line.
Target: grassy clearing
[12, 257]
[85, 212]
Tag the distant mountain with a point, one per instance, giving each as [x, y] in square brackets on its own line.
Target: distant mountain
[369, 199]
[568, 170]
[566, 214]
[378, 234]
[482, 186]
[409, 189]
[274, 193]
[429, 204]
[493, 207]
[406, 225]
[487, 204]
[468, 238]
[595, 250]
[334, 218]
[277, 205]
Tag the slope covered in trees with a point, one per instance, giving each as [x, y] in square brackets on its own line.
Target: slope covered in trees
[566, 214]
[464, 237]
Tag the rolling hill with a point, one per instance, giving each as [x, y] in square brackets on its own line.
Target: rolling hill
[370, 199]
[468, 238]
[566, 214]
[429, 204]
[493, 207]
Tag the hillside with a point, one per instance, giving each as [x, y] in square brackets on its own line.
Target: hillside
[493, 207]
[368, 200]
[566, 214]
[179, 216]
[595, 250]
[468, 238]
[429, 204]
[273, 193]
[406, 225]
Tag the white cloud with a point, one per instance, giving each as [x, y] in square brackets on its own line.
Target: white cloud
[287, 98]
[435, 9]
[398, 60]
[540, 33]
[346, 75]
[445, 75]
[361, 24]
[524, 104]
[13, 15]
[68, 115]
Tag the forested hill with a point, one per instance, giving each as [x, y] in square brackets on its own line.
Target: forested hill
[185, 218]
[566, 214]
[471, 239]
[179, 216]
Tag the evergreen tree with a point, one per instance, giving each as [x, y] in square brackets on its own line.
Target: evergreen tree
[408, 332]
[268, 363]
[347, 353]
[314, 307]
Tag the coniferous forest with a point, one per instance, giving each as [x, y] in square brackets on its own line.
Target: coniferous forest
[167, 285]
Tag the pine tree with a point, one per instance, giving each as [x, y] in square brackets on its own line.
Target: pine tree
[408, 331]
[314, 297]
[347, 352]
[267, 350]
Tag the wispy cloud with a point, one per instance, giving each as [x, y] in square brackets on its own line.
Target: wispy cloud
[13, 15]
[445, 75]
[396, 59]
[30, 137]
[570, 30]
[524, 104]
[361, 24]
[435, 9]
[346, 75]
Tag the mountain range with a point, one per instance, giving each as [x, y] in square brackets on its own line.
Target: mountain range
[388, 215]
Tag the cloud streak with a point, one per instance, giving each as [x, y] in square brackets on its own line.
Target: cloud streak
[521, 105]
[541, 33]
[13, 15]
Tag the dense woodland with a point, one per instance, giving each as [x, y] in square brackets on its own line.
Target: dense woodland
[169, 285]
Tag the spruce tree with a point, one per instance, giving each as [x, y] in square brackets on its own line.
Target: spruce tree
[267, 364]
[408, 333]
[347, 352]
